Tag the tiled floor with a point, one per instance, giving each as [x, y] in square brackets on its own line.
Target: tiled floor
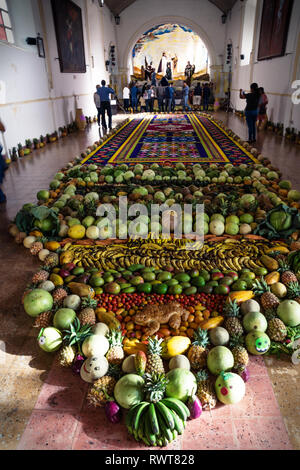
[34, 390]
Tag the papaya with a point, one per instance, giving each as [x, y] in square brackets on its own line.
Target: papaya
[108, 318]
[240, 296]
[211, 323]
[132, 346]
[140, 361]
[272, 278]
[270, 263]
[83, 290]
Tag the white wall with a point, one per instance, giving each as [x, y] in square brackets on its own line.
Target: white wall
[275, 75]
[35, 97]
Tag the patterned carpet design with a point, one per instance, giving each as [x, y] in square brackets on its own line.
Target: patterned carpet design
[189, 138]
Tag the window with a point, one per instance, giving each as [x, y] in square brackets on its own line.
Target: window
[6, 32]
[248, 31]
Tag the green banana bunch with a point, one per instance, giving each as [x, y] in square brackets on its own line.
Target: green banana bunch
[294, 260]
[157, 424]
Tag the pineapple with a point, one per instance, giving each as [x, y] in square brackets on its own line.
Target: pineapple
[155, 386]
[87, 314]
[38, 245]
[276, 330]
[41, 276]
[51, 260]
[287, 276]
[67, 356]
[232, 322]
[77, 333]
[101, 390]
[198, 352]
[205, 391]
[293, 291]
[154, 361]
[59, 295]
[115, 354]
[240, 354]
[267, 299]
[43, 320]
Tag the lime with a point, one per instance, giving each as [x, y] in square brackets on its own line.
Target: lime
[160, 288]
[96, 280]
[175, 289]
[150, 276]
[182, 277]
[198, 281]
[171, 282]
[164, 276]
[190, 290]
[146, 288]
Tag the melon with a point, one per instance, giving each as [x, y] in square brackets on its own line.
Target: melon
[255, 321]
[219, 359]
[257, 343]
[182, 384]
[230, 388]
[289, 312]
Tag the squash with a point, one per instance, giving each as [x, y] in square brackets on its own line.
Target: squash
[240, 296]
[272, 278]
[211, 323]
[52, 246]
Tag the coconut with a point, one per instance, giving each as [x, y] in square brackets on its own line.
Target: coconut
[219, 336]
[249, 306]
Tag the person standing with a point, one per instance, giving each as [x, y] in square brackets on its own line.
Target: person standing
[160, 91]
[3, 166]
[186, 90]
[262, 109]
[205, 96]
[153, 78]
[97, 103]
[169, 97]
[104, 93]
[197, 96]
[134, 97]
[126, 98]
[188, 72]
[251, 111]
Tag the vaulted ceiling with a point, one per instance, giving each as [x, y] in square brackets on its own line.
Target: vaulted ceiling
[117, 6]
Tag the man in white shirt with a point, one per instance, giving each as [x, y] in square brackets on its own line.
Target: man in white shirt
[126, 97]
[97, 102]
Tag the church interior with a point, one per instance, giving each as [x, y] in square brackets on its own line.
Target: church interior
[150, 214]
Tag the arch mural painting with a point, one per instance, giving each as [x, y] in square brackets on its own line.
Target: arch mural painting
[172, 50]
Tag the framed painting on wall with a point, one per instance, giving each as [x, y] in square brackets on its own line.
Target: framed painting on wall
[274, 28]
[69, 36]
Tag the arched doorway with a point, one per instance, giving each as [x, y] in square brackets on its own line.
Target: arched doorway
[125, 49]
[168, 49]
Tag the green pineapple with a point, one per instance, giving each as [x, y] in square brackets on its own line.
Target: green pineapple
[154, 360]
[232, 318]
[155, 386]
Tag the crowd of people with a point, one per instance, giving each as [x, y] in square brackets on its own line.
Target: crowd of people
[256, 110]
[152, 95]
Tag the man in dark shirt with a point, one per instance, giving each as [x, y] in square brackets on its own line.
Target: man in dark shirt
[205, 96]
[104, 93]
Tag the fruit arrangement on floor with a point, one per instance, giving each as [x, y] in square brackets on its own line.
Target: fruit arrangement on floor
[162, 332]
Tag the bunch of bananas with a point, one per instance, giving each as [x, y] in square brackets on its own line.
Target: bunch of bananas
[157, 424]
[226, 255]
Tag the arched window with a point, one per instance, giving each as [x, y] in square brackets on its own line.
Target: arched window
[248, 31]
[6, 32]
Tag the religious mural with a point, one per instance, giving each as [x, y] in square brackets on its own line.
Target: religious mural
[173, 50]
